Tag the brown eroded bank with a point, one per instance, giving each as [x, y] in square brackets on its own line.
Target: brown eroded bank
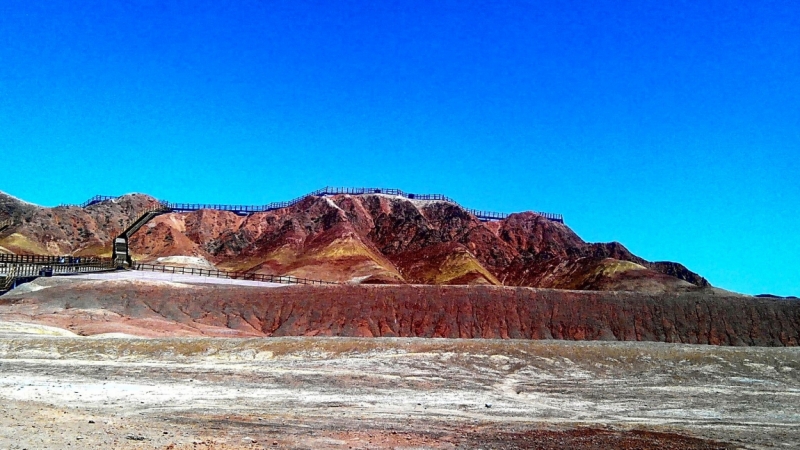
[163, 309]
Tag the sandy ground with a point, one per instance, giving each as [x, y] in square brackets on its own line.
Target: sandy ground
[319, 393]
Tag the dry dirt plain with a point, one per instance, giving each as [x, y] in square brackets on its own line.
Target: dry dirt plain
[70, 392]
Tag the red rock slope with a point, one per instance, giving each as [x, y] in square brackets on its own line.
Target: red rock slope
[348, 238]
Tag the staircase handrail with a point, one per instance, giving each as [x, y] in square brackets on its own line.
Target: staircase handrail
[160, 207]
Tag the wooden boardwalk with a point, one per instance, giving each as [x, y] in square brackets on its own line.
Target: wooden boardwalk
[250, 209]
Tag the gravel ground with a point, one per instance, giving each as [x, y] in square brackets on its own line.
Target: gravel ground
[79, 392]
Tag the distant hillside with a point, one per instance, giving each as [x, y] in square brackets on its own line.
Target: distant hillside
[370, 238]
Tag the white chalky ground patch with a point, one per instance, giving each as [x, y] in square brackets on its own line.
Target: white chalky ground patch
[156, 277]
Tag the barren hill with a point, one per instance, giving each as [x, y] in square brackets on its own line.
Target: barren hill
[373, 238]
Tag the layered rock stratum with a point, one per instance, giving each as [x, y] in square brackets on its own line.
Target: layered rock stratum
[159, 308]
[373, 239]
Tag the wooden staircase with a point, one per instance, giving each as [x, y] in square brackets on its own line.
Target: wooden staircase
[121, 253]
[9, 275]
[12, 273]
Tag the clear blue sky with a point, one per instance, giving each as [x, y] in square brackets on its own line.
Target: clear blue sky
[670, 126]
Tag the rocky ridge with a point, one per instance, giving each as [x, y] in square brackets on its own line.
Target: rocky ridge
[372, 238]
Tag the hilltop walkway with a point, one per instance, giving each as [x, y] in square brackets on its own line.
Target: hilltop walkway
[326, 191]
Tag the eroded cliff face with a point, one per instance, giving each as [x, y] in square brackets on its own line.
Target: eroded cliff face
[363, 239]
[68, 230]
[386, 239]
[166, 309]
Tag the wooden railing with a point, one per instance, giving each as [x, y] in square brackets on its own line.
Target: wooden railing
[9, 276]
[12, 271]
[52, 260]
[228, 275]
[91, 201]
[250, 209]
[33, 267]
